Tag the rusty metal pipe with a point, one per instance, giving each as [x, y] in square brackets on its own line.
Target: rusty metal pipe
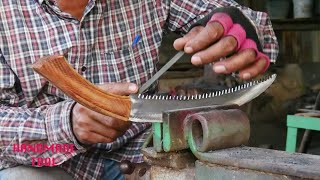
[216, 129]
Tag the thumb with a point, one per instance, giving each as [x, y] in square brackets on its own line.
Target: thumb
[123, 88]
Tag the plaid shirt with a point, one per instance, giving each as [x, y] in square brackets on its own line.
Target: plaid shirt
[99, 48]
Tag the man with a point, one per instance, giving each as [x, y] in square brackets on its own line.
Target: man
[96, 37]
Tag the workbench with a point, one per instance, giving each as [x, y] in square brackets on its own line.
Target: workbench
[182, 143]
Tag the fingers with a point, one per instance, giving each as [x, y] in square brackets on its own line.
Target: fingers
[223, 48]
[92, 138]
[179, 44]
[221, 38]
[120, 88]
[199, 38]
[245, 61]
[108, 122]
[235, 62]
[254, 70]
[91, 127]
[88, 125]
[207, 36]
[100, 128]
[83, 127]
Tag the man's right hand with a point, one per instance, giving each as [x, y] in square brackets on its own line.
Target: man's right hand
[91, 127]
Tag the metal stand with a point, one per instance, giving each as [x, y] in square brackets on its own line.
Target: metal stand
[207, 143]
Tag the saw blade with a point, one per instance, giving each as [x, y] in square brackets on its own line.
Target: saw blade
[149, 108]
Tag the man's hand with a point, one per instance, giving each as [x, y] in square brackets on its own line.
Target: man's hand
[209, 44]
[90, 127]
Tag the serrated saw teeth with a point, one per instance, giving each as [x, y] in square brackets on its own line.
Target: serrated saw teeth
[205, 95]
[150, 110]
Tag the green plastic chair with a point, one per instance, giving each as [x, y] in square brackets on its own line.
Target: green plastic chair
[295, 122]
[308, 121]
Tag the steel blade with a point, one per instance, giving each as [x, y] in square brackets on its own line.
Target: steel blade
[173, 60]
[149, 108]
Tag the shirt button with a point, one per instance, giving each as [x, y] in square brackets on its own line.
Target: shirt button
[83, 69]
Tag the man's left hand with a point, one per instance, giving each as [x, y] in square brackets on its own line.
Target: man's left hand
[208, 45]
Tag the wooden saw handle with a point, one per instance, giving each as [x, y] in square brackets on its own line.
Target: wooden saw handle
[60, 73]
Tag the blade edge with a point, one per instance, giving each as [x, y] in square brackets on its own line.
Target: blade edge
[150, 110]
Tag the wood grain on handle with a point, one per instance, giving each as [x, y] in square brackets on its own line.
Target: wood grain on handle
[58, 71]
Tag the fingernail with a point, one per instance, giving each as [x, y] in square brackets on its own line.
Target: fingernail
[133, 88]
[175, 43]
[188, 50]
[246, 76]
[196, 60]
[219, 69]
